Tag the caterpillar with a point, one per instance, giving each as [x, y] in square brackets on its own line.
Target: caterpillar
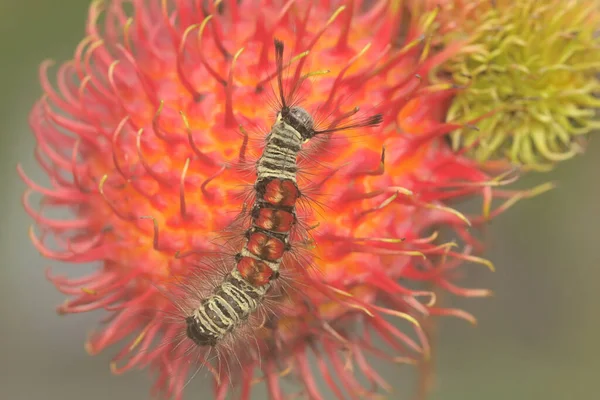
[244, 288]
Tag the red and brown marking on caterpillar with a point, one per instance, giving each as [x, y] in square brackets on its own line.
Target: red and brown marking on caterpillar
[272, 219]
[265, 247]
[255, 272]
[281, 192]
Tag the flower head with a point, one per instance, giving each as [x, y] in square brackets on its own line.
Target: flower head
[140, 138]
[534, 66]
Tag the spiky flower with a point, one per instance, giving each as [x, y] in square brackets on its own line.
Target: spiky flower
[139, 140]
[533, 65]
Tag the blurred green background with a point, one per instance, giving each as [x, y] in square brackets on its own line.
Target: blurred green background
[537, 338]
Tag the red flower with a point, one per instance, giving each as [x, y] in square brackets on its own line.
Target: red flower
[139, 139]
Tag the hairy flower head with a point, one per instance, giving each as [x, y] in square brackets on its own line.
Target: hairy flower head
[534, 66]
[139, 138]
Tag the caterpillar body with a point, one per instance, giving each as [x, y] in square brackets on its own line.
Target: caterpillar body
[244, 288]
